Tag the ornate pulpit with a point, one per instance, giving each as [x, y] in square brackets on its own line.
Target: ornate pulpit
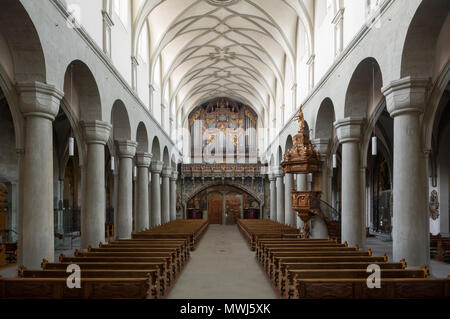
[302, 158]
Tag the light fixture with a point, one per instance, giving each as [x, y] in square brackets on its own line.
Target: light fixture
[135, 171]
[374, 145]
[334, 161]
[71, 146]
[112, 163]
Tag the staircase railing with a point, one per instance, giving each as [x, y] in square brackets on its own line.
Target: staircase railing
[328, 211]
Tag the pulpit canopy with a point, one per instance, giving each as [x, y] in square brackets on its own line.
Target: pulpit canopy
[302, 158]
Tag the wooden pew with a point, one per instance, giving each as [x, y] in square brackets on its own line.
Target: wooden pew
[152, 274]
[443, 249]
[280, 277]
[390, 288]
[296, 274]
[161, 267]
[91, 288]
[171, 268]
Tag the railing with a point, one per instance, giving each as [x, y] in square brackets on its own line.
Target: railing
[328, 211]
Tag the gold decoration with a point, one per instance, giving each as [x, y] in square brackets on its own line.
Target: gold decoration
[302, 158]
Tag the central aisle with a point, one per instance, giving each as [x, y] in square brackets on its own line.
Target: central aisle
[222, 267]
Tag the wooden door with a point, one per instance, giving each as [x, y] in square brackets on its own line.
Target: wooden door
[215, 209]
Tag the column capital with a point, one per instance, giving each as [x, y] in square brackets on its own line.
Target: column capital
[323, 145]
[271, 177]
[174, 176]
[127, 148]
[143, 159]
[349, 129]
[156, 167]
[166, 172]
[406, 95]
[278, 172]
[39, 99]
[96, 132]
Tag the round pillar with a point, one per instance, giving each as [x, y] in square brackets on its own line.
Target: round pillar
[39, 104]
[165, 198]
[156, 168]
[127, 149]
[142, 217]
[93, 216]
[349, 134]
[405, 100]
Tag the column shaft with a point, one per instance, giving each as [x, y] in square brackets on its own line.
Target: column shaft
[156, 193]
[127, 150]
[165, 199]
[142, 208]
[405, 101]
[173, 196]
[280, 197]
[273, 198]
[290, 214]
[410, 220]
[39, 104]
[93, 227]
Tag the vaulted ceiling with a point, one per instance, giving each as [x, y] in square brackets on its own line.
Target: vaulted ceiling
[201, 49]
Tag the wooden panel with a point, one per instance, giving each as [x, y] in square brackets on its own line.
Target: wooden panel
[215, 209]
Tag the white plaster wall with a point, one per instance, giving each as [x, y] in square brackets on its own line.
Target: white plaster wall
[90, 17]
[121, 46]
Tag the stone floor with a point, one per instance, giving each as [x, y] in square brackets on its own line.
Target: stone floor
[222, 266]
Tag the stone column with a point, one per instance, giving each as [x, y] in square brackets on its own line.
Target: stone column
[302, 185]
[116, 200]
[173, 196]
[127, 149]
[165, 196]
[39, 104]
[142, 217]
[156, 168]
[273, 197]
[93, 219]
[322, 145]
[149, 212]
[290, 213]
[20, 159]
[405, 100]
[280, 195]
[349, 134]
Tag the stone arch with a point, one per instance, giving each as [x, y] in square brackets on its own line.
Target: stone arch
[156, 149]
[279, 156]
[289, 143]
[325, 119]
[359, 97]
[120, 121]
[81, 91]
[173, 162]
[142, 138]
[187, 196]
[23, 41]
[420, 46]
[166, 158]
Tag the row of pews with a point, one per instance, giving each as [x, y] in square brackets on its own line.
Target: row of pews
[255, 229]
[327, 269]
[440, 247]
[145, 266]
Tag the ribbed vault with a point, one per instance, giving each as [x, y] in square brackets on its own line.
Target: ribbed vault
[202, 49]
